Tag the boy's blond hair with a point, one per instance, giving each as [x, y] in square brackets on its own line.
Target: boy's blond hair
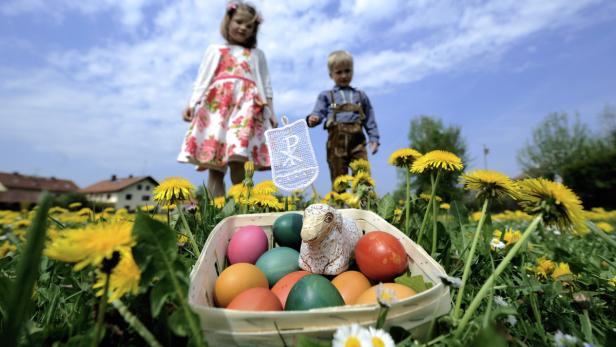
[339, 57]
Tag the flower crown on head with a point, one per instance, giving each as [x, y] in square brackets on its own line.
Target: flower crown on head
[232, 5]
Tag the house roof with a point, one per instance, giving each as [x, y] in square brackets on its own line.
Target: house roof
[116, 184]
[16, 180]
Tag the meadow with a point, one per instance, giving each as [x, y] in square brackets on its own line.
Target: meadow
[540, 274]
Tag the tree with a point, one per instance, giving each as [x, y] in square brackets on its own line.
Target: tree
[553, 145]
[428, 133]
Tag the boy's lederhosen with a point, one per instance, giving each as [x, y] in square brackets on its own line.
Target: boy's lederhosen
[346, 141]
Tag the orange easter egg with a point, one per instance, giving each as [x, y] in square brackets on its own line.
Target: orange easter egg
[282, 288]
[255, 299]
[400, 292]
[236, 279]
[351, 284]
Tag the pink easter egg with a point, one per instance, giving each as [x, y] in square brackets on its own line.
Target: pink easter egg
[247, 244]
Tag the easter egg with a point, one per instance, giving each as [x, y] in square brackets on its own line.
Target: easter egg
[380, 256]
[400, 292]
[313, 291]
[247, 244]
[287, 229]
[278, 262]
[282, 288]
[255, 299]
[351, 284]
[236, 279]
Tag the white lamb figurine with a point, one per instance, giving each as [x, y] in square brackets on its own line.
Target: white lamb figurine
[328, 239]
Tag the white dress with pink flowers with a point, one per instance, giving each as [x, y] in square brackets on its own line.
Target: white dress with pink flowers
[228, 123]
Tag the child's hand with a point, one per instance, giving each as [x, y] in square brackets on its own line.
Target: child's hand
[374, 147]
[313, 120]
[274, 121]
[187, 114]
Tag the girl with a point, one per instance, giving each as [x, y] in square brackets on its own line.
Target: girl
[231, 104]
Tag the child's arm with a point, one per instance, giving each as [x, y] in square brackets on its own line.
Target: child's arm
[319, 112]
[204, 76]
[267, 86]
[370, 123]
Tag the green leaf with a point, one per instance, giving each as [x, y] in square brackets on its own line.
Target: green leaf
[177, 323]
[158, 296]
[228, 209]
[489, 337]
[19, 301]
[415, 282]
[305, 341]
[385, 206]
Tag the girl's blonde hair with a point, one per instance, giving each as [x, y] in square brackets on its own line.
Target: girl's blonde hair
[233, 8]
[339, 57]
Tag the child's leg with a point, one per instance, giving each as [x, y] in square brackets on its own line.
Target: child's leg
[237, 171]
[337, 156]
[216, 183]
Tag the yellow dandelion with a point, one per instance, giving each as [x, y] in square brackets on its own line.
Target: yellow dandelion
[606, 227]
[497, 233]
[427, 197]
[109, 210]
[331, 197]
[219, 202]
[544, 267]
[360, 165]
[6, 247]
[74, 205]
[362, 178]
[237, 191]
[124, 278]
[612, 281]
[351, 200]
[182, 239]
[397, 215]
[249, 169]
[173, 189]
[57, 210]
[437, 160]
[512, 236]
[265, 188]
[403, 157]
[89, 246]
[342, 183]
[561, 270]
[560, 206]
[85, 212]
[476, 216]
[489, 184]
[147, 208]
[445, 206]
[264, 200]
[24, 223]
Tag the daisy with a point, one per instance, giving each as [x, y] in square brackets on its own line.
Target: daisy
[385, 296]
[380, 338]
[352, 336]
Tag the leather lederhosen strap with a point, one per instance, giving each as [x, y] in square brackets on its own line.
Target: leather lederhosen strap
[346, 107]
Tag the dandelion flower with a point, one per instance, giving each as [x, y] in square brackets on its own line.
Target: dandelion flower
[91, 245]
[611, 281]
[489, 184]
[497, 233]
[560, 206]
[264, 200]
[24, 223]
[342, 183]
[362, 178]
[360, 165]
[397, 215]
[512, 236]
[147, 208]
[124, 278]
[219, 202]
[266, 187]
[352, 336]
[426, 196]
[380, 338]
[561, 270]
[172, 190]
[445, 206]
[544, 267]
[5, 248]
[74, 205]
[403, 157]
[237, 191]
[331, 197]
[436, 160]
[606, 227]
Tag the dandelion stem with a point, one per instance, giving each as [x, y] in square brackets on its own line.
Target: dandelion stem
[490, 281]
[469, 260]
[407, 205]
[586, 326]
[135, 323]
[102, 306]
[191, 237]
[434, 212]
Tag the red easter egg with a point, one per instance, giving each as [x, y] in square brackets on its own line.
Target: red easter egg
[380, 256]
[247, 244]
[256, 299]
[282, 288]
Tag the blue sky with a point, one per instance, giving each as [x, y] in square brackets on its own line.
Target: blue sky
[91, 89]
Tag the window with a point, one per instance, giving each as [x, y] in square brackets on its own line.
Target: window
[139, 187]
[147, 187]
[145, 198]
[127, 207]
[108, 196]
[129, 196]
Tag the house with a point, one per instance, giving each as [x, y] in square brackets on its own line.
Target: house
[129, 193]
[23, 191]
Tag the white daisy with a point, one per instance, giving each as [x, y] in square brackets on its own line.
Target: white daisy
[380, 338]
[385, 296]
[500, 301]
[351, 336]
[451, 281]
[511, 320]
[564, 340]
[496, 244]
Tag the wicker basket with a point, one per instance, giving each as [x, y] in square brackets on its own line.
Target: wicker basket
[224, 327]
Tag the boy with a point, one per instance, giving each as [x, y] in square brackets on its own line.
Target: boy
[346, 110]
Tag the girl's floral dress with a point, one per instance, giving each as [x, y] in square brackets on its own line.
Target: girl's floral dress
[228, 123]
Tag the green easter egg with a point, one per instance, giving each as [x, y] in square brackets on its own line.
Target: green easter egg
[287, 229]
[278, 262]
[313, 291]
